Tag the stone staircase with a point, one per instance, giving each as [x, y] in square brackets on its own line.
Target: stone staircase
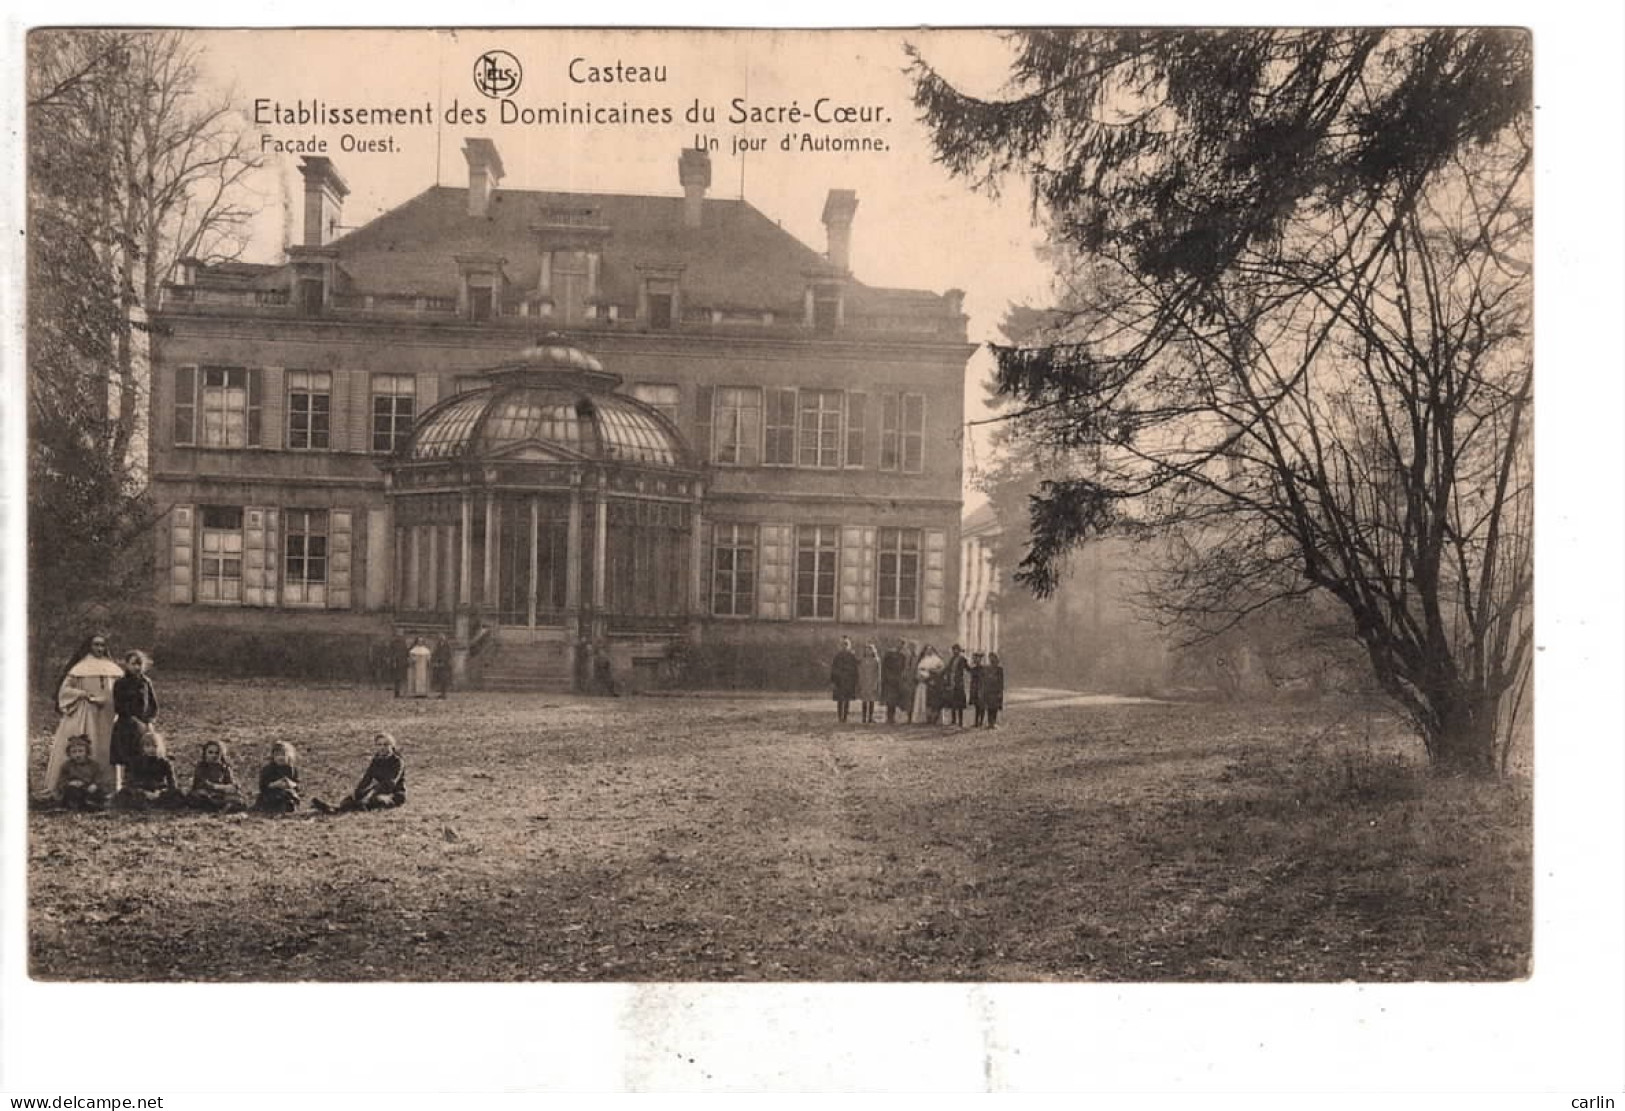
[541, 667]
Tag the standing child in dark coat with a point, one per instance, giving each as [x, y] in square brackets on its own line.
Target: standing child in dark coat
[136, 704]
[891, 679]
[869, 681]
[150, 779]
[382, 786]
[440, 665]
[214, 784]
[956, 677]
[400, 656]
[993, 689]
[78, 785]
[279, 781]
[976, 669]
[843, 678]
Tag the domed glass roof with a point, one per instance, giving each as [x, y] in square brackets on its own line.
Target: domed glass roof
[554, 395]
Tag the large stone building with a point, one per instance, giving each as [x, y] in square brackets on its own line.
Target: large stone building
[557, 428]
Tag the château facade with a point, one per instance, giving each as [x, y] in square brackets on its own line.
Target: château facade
[558, 428]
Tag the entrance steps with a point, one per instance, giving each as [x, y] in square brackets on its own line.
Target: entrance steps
[542, 666]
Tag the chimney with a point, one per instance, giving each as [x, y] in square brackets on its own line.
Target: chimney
[324, 198]
[839, 208]
[694, 171]
[484, 171]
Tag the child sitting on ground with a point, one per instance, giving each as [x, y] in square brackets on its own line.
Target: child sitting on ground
[78, 785]
[382, 786]
[214, 785]
[149, 780]
[279, 781]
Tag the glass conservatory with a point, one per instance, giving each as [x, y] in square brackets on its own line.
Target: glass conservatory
[545, 505]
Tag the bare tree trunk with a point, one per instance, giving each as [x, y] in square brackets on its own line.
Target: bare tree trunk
[1463, 741]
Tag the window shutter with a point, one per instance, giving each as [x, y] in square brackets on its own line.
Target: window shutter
[259, 556]
[857, 418]
[185, 430]
[257, 435]
[338, 559]
[356, 419]
[936, 570]
[274, 412]
[180, 554]
[704, 401]
[866, 576]
[777, 548]
[890, 456]
[708, 564]
[428, 387]
[857, 563]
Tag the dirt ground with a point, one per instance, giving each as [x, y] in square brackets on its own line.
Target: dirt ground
[684, 839]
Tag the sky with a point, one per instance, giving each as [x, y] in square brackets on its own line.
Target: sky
[916, 226]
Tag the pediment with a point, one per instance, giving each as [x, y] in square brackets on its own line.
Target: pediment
[534, 451]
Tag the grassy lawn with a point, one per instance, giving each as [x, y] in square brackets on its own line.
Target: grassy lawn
[554, 838]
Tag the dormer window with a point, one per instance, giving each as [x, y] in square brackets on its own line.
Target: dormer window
[312, 296]
[660, 309]
[823, 310]
[660, 302]
[312, 279]
[569, 284]
[480, 297]
[826, 311]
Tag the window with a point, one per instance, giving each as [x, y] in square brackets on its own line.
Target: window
[899, 564]
[660, 310]
[854, 429]
[217, 406]
[820, 428]
[817, 547]
[733, 571]
[661, 395]
[781, 428]
[304, 568]
[480, 302]
[220, 567]
[394, 402]
[826, 310]
[310, 399]
[902, 432]
[738, 426]
[312, 296]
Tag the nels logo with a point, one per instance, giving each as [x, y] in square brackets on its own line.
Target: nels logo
[497, 74]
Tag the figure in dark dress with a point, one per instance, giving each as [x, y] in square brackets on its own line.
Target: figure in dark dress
[843, 678]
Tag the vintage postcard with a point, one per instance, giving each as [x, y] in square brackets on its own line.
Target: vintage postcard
[914, 513]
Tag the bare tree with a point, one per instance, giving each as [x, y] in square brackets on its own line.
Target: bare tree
[1297, 332]
[131, 166]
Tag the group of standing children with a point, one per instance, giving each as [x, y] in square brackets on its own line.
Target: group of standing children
[107, 753]
[918, 683]
[418, 668]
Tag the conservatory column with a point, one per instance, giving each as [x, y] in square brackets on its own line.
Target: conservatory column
[572, 555]
[600, 550]
[465, 584]
[491, 553]
[430, 590]
[696, 558]
[535, 530]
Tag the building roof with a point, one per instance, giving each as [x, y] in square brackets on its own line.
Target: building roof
[736, 259]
